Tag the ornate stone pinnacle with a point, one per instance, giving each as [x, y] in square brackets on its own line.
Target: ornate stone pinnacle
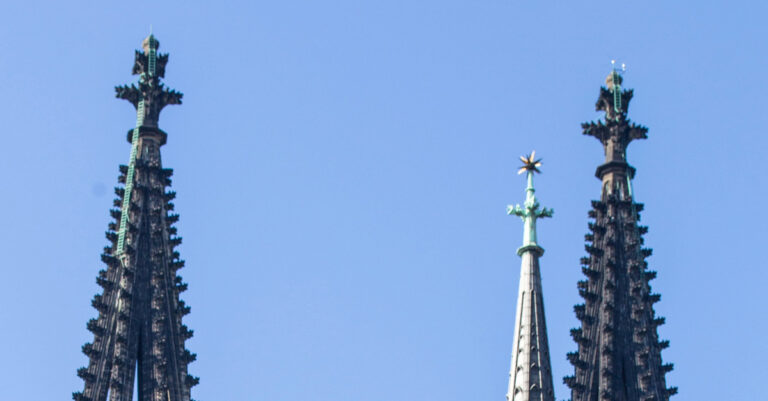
[617, 131]
[149, 65]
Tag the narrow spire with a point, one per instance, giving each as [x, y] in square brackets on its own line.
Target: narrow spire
[530, 376]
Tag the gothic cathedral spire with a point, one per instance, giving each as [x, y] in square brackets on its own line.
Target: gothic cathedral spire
[619, 352]
[138, 330]
[530, 377]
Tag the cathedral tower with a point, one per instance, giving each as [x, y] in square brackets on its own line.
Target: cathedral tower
[530, 377]
[619, 352]
[138, 334]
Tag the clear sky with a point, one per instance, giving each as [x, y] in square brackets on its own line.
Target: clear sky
[343, 169]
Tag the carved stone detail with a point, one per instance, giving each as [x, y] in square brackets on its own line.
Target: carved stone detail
[619, 352]
[139, 325]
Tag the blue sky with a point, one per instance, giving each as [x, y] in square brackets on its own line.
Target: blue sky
[343, 169]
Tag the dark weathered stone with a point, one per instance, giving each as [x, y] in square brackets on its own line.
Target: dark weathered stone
[139, 327]
[619, 353]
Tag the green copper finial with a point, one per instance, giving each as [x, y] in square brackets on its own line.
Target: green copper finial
[530, 211]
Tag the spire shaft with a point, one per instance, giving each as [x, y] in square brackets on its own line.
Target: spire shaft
[530, 377]
[529, 231]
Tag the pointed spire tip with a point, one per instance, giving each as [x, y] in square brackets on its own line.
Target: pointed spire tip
[149, 42]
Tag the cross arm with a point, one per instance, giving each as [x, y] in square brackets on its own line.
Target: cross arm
[170, 96]
[516, 210]
[638, 132]
[597, 130]
[129, 93]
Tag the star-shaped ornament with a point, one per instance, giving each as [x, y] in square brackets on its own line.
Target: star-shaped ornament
[530, 163]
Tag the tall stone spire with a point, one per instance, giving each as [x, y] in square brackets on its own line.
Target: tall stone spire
[138, 330]
[530, 377]
[619, 352]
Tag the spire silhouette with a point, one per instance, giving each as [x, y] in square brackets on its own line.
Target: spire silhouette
[619, 352]
[530, 376]
[139, 328]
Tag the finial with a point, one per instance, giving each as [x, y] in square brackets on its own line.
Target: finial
[529, 163]
[613, 82]
[617, 131]
[530, 210]
[613, 66]
[150, 94]
[150, 42]
[615, 78]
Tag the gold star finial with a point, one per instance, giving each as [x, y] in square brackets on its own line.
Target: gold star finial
[530, 163]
